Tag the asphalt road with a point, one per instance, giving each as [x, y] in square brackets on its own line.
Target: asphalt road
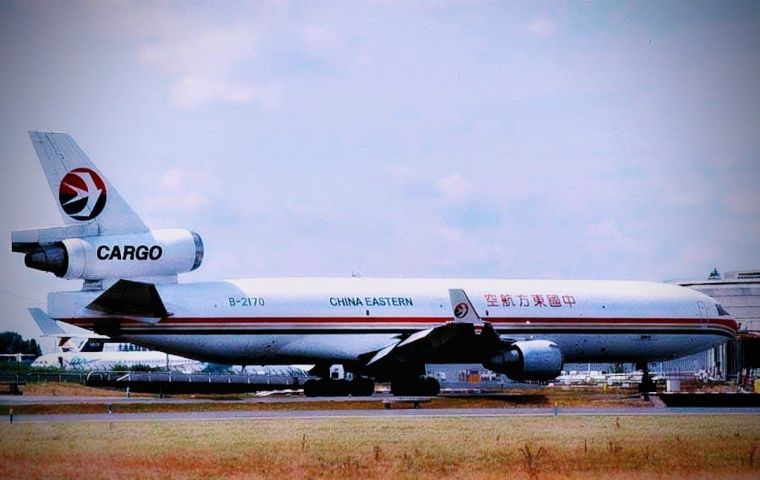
[10, 400]
[392, 413]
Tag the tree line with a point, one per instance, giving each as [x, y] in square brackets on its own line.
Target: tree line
[12, 342]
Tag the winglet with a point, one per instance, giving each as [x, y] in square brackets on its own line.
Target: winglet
[464, 312]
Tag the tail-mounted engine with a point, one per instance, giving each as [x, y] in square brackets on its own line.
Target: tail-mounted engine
[152, 253]
[528, 360]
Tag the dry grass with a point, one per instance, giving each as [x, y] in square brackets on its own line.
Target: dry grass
[65, 389]
[504, 447]
[546, 399]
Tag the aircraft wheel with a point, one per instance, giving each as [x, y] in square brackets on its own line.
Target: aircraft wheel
[409, 387]
[341, 388]
[431, 386]
[325, 387]
[406, 387]
[399, 388]
[362, 387]
[311, 388]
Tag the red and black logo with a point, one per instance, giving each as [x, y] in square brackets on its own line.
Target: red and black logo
[460, 311]
[82, 194]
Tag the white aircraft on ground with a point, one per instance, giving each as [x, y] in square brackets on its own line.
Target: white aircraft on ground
[92, 352]
[378, 329]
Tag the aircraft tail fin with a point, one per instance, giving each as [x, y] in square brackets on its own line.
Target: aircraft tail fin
[92, 344]
[464, 311]
[50, 328]
[82, 193]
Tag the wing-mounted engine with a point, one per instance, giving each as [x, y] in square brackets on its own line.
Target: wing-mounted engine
[98, 257]
[528, 360]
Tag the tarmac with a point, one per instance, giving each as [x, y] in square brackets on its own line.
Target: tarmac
[392, 413]
[396, 407]
[10, 400]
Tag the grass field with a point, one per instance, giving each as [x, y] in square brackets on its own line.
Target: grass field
[517, 447]
[514, 398]
[512, 401]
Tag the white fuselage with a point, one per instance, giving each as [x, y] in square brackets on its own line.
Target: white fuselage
[337, 320]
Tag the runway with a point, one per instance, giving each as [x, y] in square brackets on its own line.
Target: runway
[209, 409]
[396, 412]
[10, 400]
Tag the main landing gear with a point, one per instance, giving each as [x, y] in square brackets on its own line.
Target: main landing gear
[647, 385]
[328, 387]
[415, 386]
[364, 387]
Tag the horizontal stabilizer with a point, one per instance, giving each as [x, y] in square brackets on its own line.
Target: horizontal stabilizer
[46, 324]
[130, 298]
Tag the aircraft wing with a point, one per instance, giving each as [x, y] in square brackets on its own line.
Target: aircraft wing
[419, 345]
[464, 332]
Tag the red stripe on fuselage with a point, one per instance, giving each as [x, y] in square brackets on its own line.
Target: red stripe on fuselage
[170, 322]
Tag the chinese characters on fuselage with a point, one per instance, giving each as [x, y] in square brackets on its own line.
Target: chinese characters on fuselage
[532, 300]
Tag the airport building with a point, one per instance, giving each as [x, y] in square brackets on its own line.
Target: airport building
[739, 293]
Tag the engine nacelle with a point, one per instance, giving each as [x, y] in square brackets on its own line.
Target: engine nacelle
[153, 253]
[528, 360]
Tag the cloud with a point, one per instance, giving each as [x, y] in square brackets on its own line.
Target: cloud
[212, 52]
[205, 65]
[742, 201]
[606, 231]
[450, 234]
[606, 237]
[453, 187]
[321, 39]
[540, 27]
[181, 192]
[196, 90]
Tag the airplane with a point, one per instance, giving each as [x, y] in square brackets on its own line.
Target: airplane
[378, 329]
[97, 352]
[107, 360]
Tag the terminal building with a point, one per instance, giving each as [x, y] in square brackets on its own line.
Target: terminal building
[739, 293]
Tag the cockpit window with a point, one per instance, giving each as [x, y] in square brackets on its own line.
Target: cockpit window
[722, 311]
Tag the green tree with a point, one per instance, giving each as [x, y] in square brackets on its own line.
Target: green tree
[12, 342]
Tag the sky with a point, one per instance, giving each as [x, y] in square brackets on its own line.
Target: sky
[594, 140]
